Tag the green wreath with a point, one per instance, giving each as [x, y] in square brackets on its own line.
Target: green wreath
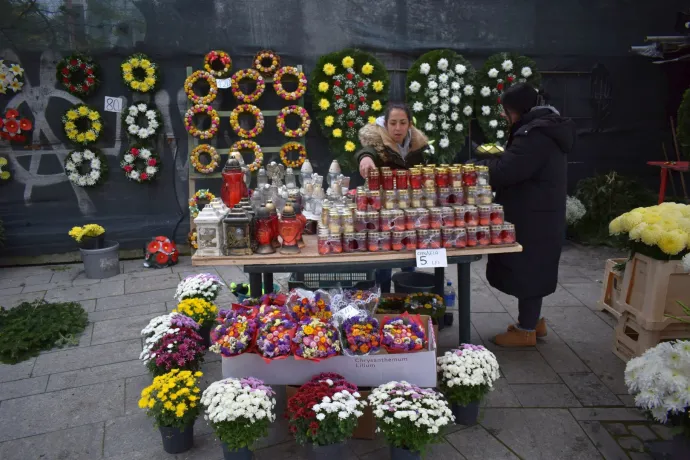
[440, 91]
[350, 89]
[500, 72]
[683, 129]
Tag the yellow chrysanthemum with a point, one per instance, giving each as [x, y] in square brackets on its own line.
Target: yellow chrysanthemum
[684, 224]
[685, 210]
[135, 84]
[615, 227]
[150, 72]
[150, 81]
[378, 86]
[80, 137]
[329, 69]
[372, 120]
[72, 135]
[127, 67]
[367, 69]
[93, 115]
[348, 62]
[350, 146]
[168, 405]
[83, 111]
[673, 242]
[90, 136]
[135, 62]
[651, 217]
[636, 233]
[129, 77]
[629, 220]
[337, 132]
[151, 403]
[324, 104]
[70, 126]
[96, 126]
[145, 64]
[143, 403]
[144, 87]
[376, 105]
[72, 115]
[651, 234]
[329, 121]
[323, 86]
[198, 374]
[668, 224]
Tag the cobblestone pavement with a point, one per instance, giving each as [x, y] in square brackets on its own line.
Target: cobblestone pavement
[564, 399]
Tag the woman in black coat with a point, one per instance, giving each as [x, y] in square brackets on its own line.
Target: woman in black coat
[530, 180]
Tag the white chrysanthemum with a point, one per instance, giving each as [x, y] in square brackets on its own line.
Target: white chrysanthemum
[95, 163]
[485, 91]
[424, 68]
[89, 155]
[414, 86]
[442, 64]
[445, 126]
[134, 174]
[574, 210]
[428, 126]
[145, 154]
[443, 78]
[133, 111]
[129, 120]
[132, 129]
[500, 134]
[417, 106]
[493, 73]
[444, 108]
[507, 65]
[486, 110]
[493, 123]
[444, 143]
[432, 117]
[94, 174]
[151, 170]
[455, 85]
[129, 158]
[467, 110]
[454, 116]
[77, 157]
[150, 114]
[444, 92]
[468, 90]
[143, 133]
[432, 85]
[81, 181]
[69, 166]
[90, 181]
[142, 108]
[460, 69]
[455, 100]
[434, 100]
[526, 72]
[459, 127]
[73, 177]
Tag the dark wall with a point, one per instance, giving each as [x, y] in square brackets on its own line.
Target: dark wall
[39, 205]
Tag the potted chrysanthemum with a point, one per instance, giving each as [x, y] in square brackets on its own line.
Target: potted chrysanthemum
[239, 411]
[466, 374]
[100, 257]
[409, 417]
[173, 401]
[172, 342]
[200, 286]
[203, 312]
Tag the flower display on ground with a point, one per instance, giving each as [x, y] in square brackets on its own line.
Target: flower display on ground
[467, 373]
[79, 75]
[200, 310]
[173, 398]
[316, 339]
[202, 285]
[86, 168]
[234, 335]
[424, 303]
[171, 341]
[162, 325]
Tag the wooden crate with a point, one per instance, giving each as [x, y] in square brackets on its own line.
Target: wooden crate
[651, 289]
[631, 339]
[611, 291]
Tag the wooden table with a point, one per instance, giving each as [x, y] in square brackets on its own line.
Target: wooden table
[310, 261]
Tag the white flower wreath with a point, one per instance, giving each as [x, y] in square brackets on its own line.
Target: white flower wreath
[145, 171]
[97, 167]
[132, 116]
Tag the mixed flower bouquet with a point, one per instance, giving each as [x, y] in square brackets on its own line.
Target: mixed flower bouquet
[274, 339]
[239, 410]
[316, 340]
[182, 349]
[324, 411]
[234, 334]
[160, 326]
[172, 398]
[403, 334]
[425, 303]
[360, 335]
[306, 304]
[268, 313]
[408, 416]
[203, 285]
[467, 373]
[200, 310]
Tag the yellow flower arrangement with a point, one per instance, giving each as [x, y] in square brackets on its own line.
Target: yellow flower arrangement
[215, 59]
[301, 83]
[200, 310]
[173, 398]
[329, 69]
[189, 87]
[139, 73]
[88, 230]
[372, 120]
[350, 146]
[208, 168]
[267, 57]
[246, 144]
[72, 120]
[235, 121]
[348, 62]
[201, 109]
[290, 147]
[666, 227]
[247, 74]
[305, 121]
[367, 69]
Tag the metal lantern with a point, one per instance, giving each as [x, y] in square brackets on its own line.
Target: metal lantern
[209, 229]
[236, 228]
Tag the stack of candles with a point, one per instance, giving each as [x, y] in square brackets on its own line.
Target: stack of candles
[425, 207]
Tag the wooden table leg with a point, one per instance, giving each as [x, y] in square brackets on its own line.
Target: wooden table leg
[255, 285]
[464, 290]
[268, 283]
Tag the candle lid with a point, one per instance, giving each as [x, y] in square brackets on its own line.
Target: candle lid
[288, 211]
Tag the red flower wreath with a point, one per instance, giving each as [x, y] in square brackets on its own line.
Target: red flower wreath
[12, 127]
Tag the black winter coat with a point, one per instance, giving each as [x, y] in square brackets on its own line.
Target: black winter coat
[530, 180]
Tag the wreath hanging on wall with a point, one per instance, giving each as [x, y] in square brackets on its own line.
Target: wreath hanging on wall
[13, 127]
[4, 173]
[82, 124]
[140, 74]
[500, 72]
[200, 195]
[218, 63]
[143, 121]
[79, 75]
[350, 89]
[683, 130]
[11, 77]
[440, 90]
[140, 164]
[212, 87]
[246, 144]
[86, 168]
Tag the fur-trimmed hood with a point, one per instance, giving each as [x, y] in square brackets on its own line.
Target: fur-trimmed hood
[376, 137]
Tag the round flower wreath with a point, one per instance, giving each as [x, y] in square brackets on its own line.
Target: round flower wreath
[134, 113]
[246, 144]
[350, 88]
[215, 57]
[11, 76]
[267, 55]
[192, 239]
[140, 74]
[191, 127]
[258, 123]
[13, 127]
[500, 72]
[189, 87]
[301, 83]
[4, 175]
[195, 158]
[292, 147]
[440, 89]
[304, 125]
[82, 124]
[96, 161]
[79, 75]
[202, 194]
[247, 74]
[140, 164]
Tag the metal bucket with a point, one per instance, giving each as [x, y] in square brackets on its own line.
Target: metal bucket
[101, 263]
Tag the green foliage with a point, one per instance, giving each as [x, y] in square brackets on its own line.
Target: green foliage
[683, 128]
[241, 432]
[462, 395]
[686, 310]
[35, 326]
[331, 430]
[405, 434]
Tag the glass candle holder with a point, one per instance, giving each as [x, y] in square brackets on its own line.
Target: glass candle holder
[469, 175]
[423, 239]
[485, 194]
[373, 221]
[323, 243]
[429, 197]
[415, 178]
[460, 238]
[416, 198]
[397, 220]
[459, 215]
[362, 200]
[443, 196]
[410, 240]
[423, 219]
[471, 195]
[325, 213]
[448, 237]
[442, 178]
[483, 235]
[484, 211]
[403, 199]
[434, 239]
[401, 179]
[455, 177]
[334, 222]
[386, 220]
[387, 181]
[435, 218]
[410, 219]
[374, 180]
[471, 236]
[482, 175]
[374, 200]
[497, 215]
[373, 241]
[448, 216]
[347, 221]
[385, 241]
[336, 243]
[391, 200]
[397, 241]
[497, 234]
[349, 242]
[508, 233]
[471, 216]
[360, 221]
[429, 177]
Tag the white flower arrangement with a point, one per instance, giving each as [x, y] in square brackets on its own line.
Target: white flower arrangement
[425, 68]
[203, 285]
[149, 113]
[160, 326]
[467, 373]
[94, 173]
[493, 73]
[343, 404]
[415, 86]
[507, 65]
[685, 262]
[574, 210]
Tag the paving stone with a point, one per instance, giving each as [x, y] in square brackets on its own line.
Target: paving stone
[88, 305]
[501, 396]
[80, 443]
[613, 414]
[233, 274]
[640, 456]
[643, 432]
[22, 281]
[11, 291]
[93, 291]
[185, 271]
[572, 275]
[539, 433]
[15, 300]
[616, 429]
[483, 301]
[117, 330]
[285, 451]
[559, 355]
[86, 281]
[664, 432]
[133, 388]
[46, 286]
[153, 309]
[525, 367]
[561, 298]
[47, 412]
[545, 395]
[205, 448]
[24, 387]
[137, 266]
[151, 283]
[603, 441]
[475, 443]
[608, 318]
[81, 358]
[490, 324]
[589, 390]
[21, 370]
[68, 274]
[587, 293]
[131, 433]
[132, 300]
[98, 374]
[365, 446]
[631, 443]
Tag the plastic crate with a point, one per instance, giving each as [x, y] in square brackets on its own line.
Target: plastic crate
[611, 292]
[631, 339]
[361, 280]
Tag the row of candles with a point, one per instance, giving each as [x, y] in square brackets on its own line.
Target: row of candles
[421, 177]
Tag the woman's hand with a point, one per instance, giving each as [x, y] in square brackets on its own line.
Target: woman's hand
[365, 166]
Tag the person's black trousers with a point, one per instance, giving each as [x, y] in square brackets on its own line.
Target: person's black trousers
[529, 312]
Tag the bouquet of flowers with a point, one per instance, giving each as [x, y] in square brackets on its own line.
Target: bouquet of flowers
[160, 326]
[408, 416]
[305, 305]
[233, 335]
[203, 285]
[182, 349]
[425, 303]
[574, 210]
[239, 411]
[200, 310]
[467, 373]
[316, 340]
[360, 335]
[172, 398]
[324, 411]
[403, 334]
[272, 299]
[274, 340]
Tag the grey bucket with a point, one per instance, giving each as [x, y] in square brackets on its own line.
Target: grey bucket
[102, 263]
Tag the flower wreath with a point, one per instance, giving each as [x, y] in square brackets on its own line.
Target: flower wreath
[140, 74]
[189, 87]
[301, 83]
[4, 175]
[78, 74]
[12, 126]
[304, 125]
[246, 144]
[267, 55]
[258, 124]
[214, 57]
[131, 118]
[440, 89]
[202, 194]
[247, 74]
[11, 76]
[97, 162]
[500, 72]
[192, 239]
[140, 164]
[82, 135]
[191, 127]
[352, 88]
[208, 168]
[289, 147]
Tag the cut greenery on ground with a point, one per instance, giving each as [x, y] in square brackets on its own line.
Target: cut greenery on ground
[32, 327]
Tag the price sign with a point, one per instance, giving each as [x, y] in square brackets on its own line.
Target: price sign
[431, 258]
[112, 104]
[223, 84]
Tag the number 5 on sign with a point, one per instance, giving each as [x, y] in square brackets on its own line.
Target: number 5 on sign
[431, 258]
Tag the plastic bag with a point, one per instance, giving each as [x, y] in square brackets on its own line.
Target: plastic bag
[274, 339]
[403, 334]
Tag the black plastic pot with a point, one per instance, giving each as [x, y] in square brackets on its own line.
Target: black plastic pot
[177, 440]
[329, 452]
[678, 448]
[411, 282]
[465, 415]
[398, 453]
[205, 333]
[239, 454]
[93, 242]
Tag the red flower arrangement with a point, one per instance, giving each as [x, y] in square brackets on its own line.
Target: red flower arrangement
[178, 350]
[161, 252]
[12, 127]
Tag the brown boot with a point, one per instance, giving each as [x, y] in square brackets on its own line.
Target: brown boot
[516, 338]
[540, 329]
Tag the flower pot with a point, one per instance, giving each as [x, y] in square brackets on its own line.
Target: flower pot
[93, 242]
[101, 263]
[465, 415]
[398, 453]
[675, 449]
[329, 452]
[205, 333]
[239, 454]
[177, 440]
